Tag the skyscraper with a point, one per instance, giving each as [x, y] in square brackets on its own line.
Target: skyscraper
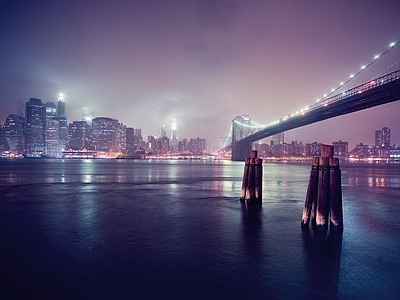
[382, 138]
[78, 134]
[163, 131]
[35, 126]
[104, 134]
[53, 148]
[174, 130]
[278, 139]
[87, 115]
[13, 131]
[61, 106]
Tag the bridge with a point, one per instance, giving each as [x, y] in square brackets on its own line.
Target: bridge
[375, 84]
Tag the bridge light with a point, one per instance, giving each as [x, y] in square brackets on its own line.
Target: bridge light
[324, 95]
[363, 67]
[341, 83]
[376, 56]
[318, 100]
[351, 76]
[333, 90]
[392, 44]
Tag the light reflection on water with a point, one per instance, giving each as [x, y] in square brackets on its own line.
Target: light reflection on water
[150, 229]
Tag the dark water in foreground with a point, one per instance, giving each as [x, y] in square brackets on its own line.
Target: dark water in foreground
[97, 229]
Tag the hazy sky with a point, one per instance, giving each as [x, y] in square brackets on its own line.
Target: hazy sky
[201, 62]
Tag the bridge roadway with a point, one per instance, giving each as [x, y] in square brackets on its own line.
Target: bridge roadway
[376, 92]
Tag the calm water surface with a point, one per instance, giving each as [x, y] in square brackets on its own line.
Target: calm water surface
[119, 229]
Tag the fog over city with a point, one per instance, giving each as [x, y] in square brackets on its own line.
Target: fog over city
[202, 63]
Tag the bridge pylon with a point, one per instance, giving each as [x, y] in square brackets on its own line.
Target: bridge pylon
[240, 150]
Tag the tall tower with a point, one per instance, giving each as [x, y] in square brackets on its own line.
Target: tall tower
[35, 126]
[163, 131]
[174, 131]
[61, 106]
[386, 137]
[87, 115]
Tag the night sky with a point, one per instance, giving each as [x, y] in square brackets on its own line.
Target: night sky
[200, 62]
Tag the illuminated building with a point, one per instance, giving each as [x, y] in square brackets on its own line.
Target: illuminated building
[78, 134]
[35, 126]
[163, 131]
[104, 134]
[61, 106]
[130, 141]
[51, 110]
[53, 147]
[87, 115]
[13, 132]
[340, 149]
[278, 139]
[174, 130]
[197, 146]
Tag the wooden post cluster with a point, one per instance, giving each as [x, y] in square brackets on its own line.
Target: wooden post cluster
[323, 202]
[252, 179]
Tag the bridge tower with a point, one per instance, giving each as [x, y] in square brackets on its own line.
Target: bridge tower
[240, 150]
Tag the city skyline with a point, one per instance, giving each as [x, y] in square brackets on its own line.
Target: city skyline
[201, 63]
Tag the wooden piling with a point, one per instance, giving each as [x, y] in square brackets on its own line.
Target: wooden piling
[324, 193]
[321, 217]
[252, 179]
[312, 191]
[258, 179]
[250, 193]
[335, 197]
[245, 178]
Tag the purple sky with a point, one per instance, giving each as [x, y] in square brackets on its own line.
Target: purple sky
[201, 62]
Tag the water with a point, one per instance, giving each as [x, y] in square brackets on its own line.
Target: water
[120, 229]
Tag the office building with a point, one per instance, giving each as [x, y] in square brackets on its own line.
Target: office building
[78, 134]
[104, 134]
[35, 126]
[13, 134]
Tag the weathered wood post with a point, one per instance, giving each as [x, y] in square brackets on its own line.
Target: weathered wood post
[324, 192]
[335, 188]
[258, 181]
[321, 216]
[252, 178]
[311, 196]
[245, 178]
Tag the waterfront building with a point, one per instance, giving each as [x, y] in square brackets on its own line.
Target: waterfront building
[340, 149]
[278, 139]
[130, 141]
[13, 134]
[197, 146]
[35, 126]
[313, 149]
[183, 145]
[53, 147]
[164, 145]
[121, 138]
[78, 134]
[104, 134]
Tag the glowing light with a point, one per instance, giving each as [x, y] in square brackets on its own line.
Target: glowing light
[333, 90]
[363, 67]
[376, 56]
[324, 95]
[341, 83]
[351, 76]
[392, 44]
[318, 100]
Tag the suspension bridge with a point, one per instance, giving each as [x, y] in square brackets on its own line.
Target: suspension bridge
[374, 84]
